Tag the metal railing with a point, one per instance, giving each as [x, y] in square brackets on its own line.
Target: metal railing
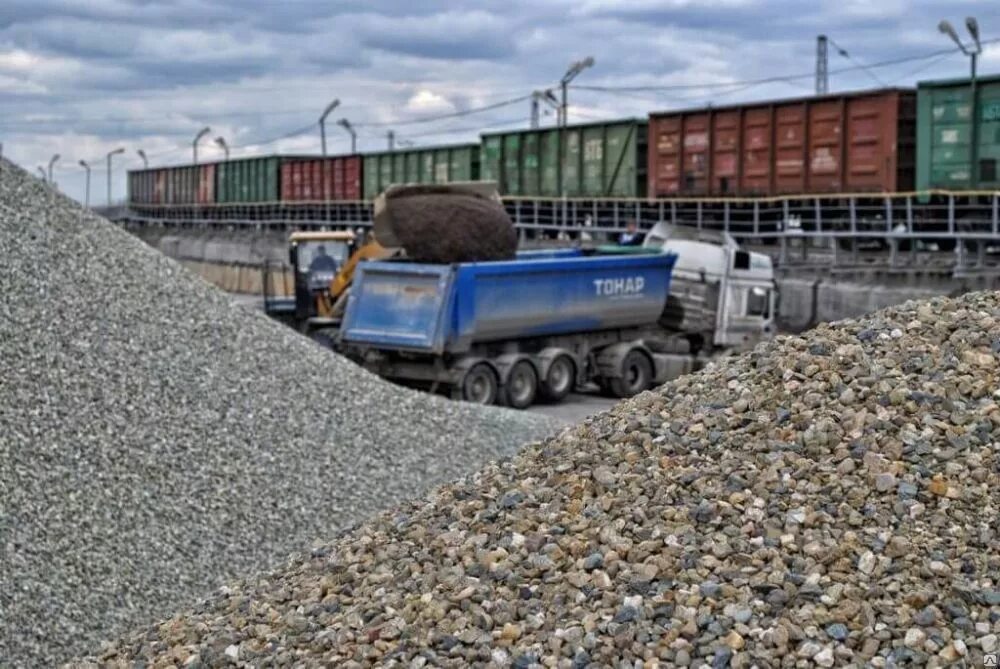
[896, 226]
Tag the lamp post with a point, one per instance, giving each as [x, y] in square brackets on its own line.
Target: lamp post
[84, 165]
[571, 74]
[41, 171]
[574, 70]
[52, 162]
[322, 121]
[197, 138]
[346, 125]
[116, 152]
[973, 27]
[221, 143]
[145, 160]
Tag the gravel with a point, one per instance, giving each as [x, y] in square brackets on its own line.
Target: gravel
[763, 548]
[157, 441]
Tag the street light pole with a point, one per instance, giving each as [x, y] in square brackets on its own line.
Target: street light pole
[574, 70]
[197, 138]
[145, 160]
[221, 143]
[571, 74]
[346, 125]
[322, 121]
[84, 165]
[110, 154]
[41, 170]
[52, 162]
[391, 135]
[973, 27]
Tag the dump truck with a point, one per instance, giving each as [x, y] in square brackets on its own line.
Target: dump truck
[551, 322]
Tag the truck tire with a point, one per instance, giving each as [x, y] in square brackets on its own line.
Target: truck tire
[480, 385]
[559, 379]
[637, 375]
[522, 385]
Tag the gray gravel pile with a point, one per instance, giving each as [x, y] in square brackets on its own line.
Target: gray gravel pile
[157, 441]
[826, 500]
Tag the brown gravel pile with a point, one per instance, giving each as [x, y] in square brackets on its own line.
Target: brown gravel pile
[440, 227]
[825, 500]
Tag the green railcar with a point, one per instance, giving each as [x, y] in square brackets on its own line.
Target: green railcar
[439, 164]
[945, 132]
[598, 160]
[247, 180]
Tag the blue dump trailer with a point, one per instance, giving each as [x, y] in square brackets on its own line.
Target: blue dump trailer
[511, 331]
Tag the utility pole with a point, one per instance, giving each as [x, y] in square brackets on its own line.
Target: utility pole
[197, 138]
[391, 135]
[115, 153]
[973, 27]
[322, 122]
[346, 125]
[84, 165]
[822, 66]
[546, 96]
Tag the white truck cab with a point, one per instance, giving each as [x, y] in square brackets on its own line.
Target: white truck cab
[721, 294]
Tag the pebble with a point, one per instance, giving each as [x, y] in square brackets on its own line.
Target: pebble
[837, 631]
[158, 440]
[914, 638]
[824, 658]
[766, 549]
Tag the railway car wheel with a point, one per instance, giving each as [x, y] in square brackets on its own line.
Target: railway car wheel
[559, 379]
[637, 375]
[480, 385]
[522, 385]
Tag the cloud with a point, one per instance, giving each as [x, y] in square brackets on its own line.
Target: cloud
[426, 101]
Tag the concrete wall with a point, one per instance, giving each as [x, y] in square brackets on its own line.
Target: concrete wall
[235, 261]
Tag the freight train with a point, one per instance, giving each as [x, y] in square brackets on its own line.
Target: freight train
[889, 140]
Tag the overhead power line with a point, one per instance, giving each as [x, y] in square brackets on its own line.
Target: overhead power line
[866, 68]
[774, 79]
[442, 117]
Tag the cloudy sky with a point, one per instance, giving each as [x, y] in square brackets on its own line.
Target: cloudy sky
[82, 77]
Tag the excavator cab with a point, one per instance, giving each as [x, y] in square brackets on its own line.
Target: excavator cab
[316, 258]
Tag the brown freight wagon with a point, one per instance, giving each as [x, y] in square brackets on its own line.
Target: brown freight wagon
[860, 142]
[185, 184]
[311, 179]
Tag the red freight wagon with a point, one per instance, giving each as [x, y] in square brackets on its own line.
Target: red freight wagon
[857, 142]
[335, 178]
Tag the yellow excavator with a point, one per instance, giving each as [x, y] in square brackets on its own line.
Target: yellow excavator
[324, 262]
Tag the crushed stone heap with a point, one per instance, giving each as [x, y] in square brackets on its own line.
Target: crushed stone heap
[825, 500]
[157, 441]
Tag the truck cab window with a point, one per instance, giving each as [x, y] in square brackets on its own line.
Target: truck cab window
[759, 302]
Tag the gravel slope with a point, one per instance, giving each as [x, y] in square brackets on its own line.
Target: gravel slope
[157, 441]
[826, 500]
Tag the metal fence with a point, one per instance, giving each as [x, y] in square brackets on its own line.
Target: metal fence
[899, 227]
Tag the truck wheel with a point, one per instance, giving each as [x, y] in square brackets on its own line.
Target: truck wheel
[480, 385]
[637, 375]
[521, 386]
[560, 379]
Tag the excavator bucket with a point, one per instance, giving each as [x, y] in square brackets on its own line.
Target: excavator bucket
[445, 223]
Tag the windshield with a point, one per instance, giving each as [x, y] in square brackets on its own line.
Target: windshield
[321, 256]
